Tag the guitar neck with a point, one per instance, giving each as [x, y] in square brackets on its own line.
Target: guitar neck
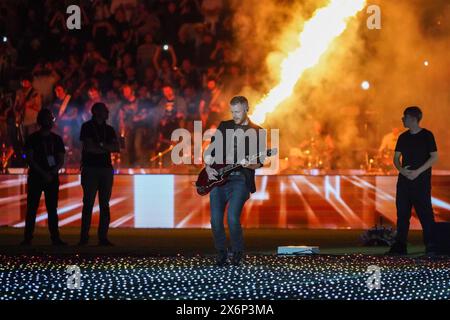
[231, 167]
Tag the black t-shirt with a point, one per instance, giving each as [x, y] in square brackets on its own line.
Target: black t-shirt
[43, 147]
[416, 148]
[98, 133]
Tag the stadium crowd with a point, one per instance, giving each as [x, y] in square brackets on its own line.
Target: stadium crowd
[157, 64]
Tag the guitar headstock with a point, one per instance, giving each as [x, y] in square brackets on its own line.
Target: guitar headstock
[268, 153]
[272, 152]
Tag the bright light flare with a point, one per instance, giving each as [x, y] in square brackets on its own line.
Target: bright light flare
[318, 33]
[365, 85]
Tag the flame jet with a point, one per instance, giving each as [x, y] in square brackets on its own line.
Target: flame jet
[326, 25]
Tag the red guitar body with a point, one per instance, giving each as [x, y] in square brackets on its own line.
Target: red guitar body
[204, 185]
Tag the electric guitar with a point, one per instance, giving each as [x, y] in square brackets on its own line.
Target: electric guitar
[204, 185]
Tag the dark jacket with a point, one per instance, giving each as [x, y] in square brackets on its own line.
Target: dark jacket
[248, 173]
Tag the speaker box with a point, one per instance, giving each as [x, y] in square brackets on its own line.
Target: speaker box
[441, 235]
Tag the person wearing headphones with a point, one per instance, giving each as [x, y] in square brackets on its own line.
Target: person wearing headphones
[45, 157]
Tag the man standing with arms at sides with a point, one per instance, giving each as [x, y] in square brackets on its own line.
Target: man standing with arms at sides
[236, 191]
[418, 151]
[98, 142]
[45, 156]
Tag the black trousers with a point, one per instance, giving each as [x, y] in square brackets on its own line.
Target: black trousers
[95, 180]
[35, 188]
[417, 194]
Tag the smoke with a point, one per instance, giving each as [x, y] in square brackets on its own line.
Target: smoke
[391, 59]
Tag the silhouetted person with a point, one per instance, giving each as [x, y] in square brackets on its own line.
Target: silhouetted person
[45, 156]
[98, 141]
[418, 151]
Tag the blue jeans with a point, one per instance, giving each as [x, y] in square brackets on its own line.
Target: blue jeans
[234, 193]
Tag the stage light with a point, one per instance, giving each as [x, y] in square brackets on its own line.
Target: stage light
[426, 63]
[260, 277]
[365, 85]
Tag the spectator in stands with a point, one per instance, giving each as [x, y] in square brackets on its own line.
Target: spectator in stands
[44, 79]
[145, 22]
[65, 112]
[211, 104]
[205, 50]
[189, 74]
[127, 130]
[192, 106]
[172, 102]
[95, 96]
[146, 52]
[121, 42]
[211, 10]
[170, 23]
[145, 127]
[163, 67]
[27, 105]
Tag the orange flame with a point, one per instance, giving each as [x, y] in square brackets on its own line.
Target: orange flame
[318, 33]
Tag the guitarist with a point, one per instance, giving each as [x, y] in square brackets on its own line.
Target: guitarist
[26, 107]
[240, 183]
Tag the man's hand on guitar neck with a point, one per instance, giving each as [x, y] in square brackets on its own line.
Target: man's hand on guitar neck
[212, 173]
[246, 164]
